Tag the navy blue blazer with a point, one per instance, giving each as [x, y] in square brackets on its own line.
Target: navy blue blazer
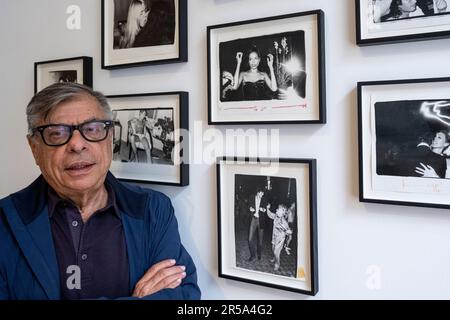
[28, 264]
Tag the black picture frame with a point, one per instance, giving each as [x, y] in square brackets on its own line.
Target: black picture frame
[288, 182]
[76, 69]
[164, 127]
[299, 70]
[379, 25]
[391, 162]
[159, 50]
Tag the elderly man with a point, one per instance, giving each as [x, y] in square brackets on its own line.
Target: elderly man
[77, 232]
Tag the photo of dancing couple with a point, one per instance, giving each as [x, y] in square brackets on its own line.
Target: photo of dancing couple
[267, 225]
[274, 75]
[139, 32]
[404, 142]
[412, 138]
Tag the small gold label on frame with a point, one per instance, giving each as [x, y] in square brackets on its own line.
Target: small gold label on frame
[301, 273]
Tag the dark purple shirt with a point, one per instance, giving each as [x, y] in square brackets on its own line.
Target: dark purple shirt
[97, 247]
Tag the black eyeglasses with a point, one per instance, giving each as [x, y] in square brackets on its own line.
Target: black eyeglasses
[55, 135]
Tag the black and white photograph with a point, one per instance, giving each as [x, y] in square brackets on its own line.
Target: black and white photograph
[148, 144]
[143, 23]
[144, 135]
[78, 70]
[268, 70]
[263, 68]
[388, 10]
[390, 21]
[267, 222]
[412, 138]
[63, 76]
[137, 32]
[404, 142]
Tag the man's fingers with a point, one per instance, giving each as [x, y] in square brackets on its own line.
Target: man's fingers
[174, 284]
[156, 268]
[159, 277]
[166, 283]
[152, 286]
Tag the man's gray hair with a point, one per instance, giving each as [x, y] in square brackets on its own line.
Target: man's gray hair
[46, 100]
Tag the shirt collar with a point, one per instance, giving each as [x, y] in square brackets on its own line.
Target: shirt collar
[55, 201]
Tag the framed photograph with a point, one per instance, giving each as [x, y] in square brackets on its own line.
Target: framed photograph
[391, 21]
[268, 70]
[404, 143]
[267, 225]
[143, 32]
[148, 138]
[78, 69]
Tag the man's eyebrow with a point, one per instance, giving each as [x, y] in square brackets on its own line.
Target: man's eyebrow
[90, 119]
[85, 121]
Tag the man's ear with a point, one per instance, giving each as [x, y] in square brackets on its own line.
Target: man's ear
[34, 145]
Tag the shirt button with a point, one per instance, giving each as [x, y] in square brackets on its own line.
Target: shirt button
[84, 257]
[75, 223]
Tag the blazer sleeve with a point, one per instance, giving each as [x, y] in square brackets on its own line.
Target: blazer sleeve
[165, 244]
[4, 292]
[4, 295]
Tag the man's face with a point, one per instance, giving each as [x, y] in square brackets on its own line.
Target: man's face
[78, 166]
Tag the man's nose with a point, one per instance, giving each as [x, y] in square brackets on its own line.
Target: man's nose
[77, 143]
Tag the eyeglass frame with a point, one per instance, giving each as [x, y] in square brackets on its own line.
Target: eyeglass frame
[108, 125]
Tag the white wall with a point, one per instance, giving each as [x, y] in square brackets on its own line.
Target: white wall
[409, 244]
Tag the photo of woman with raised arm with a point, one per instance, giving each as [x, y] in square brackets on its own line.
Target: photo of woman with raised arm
[255, 84]
[270, 67]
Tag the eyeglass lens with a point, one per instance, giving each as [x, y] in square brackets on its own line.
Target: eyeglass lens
[60, 134]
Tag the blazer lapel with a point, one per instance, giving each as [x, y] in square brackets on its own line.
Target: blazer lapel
[132, 203]
[133, 229]
[35, 241]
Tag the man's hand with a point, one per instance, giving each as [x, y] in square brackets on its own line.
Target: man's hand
[162, 275]
[426, 171]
